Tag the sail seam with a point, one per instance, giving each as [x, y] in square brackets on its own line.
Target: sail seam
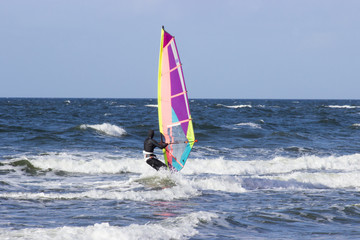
[171, 70]
[176, 160]
[179, 94]
[180, 122]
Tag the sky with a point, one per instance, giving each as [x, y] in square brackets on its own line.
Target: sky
[241, 49]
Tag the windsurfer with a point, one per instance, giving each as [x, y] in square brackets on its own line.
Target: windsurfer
[149, 145]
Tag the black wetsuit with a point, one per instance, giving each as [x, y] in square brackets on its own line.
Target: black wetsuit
[149, 145]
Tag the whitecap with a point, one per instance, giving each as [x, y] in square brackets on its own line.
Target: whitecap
[151, 105]
[277, 165]
[129, 193]
[343, 106]
[329, 171]
[235, 106]
[200, 174]
[224, 184]
[249, 124]
[105, 128]
[180, 227]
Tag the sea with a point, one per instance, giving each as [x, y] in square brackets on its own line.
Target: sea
[261, 169]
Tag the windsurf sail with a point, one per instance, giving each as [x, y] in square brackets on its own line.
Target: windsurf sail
[175, 123]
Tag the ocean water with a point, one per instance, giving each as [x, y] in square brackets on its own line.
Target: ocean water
[262, 169]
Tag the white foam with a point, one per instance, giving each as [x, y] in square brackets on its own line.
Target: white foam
[343, 106]
[106, 128]
[356, 125]
[151, 105]
[199, 175]
[224, 184]
[167, 194]
[93, 162]
[249, 124]
[328, 179]
[330, 171]
[181, 227]
[87, 162]
[235, 106]
[97, 186]
[277, 165]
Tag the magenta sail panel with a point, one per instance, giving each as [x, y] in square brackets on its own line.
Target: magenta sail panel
[175, 83]
[179, 106]
[185, 127]
[172, 62]
[167, 38]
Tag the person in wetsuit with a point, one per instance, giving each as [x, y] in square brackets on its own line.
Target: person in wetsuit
[149, 145]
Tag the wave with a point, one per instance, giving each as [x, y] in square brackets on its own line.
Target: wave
[235, 106]
[106, 163]
[343, 106]
[151, 105]
[84, 162]
[129, 192]
[201, 174]
[277, 165]
[224, 184]
[328, 172]
[105, 128]
[180, 227]
[249, 124]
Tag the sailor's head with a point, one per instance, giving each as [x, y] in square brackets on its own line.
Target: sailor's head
[151, 133]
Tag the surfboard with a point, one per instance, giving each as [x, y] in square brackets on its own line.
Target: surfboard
[175, 122]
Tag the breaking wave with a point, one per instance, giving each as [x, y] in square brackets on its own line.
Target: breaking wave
[223, 175]
[249, 124]
[151, 105]
[235, 106]
[343, 106]
[105, 128]
[181, 227]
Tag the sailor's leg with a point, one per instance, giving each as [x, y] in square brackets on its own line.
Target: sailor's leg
[156, 163]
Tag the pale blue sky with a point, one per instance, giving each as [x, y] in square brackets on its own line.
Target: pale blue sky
[229, 48]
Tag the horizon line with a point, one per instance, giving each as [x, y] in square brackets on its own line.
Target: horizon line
[210, 98]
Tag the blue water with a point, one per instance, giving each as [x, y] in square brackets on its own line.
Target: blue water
[262, 169]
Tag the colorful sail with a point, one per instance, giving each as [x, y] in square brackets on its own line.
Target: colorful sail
[175, 121]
